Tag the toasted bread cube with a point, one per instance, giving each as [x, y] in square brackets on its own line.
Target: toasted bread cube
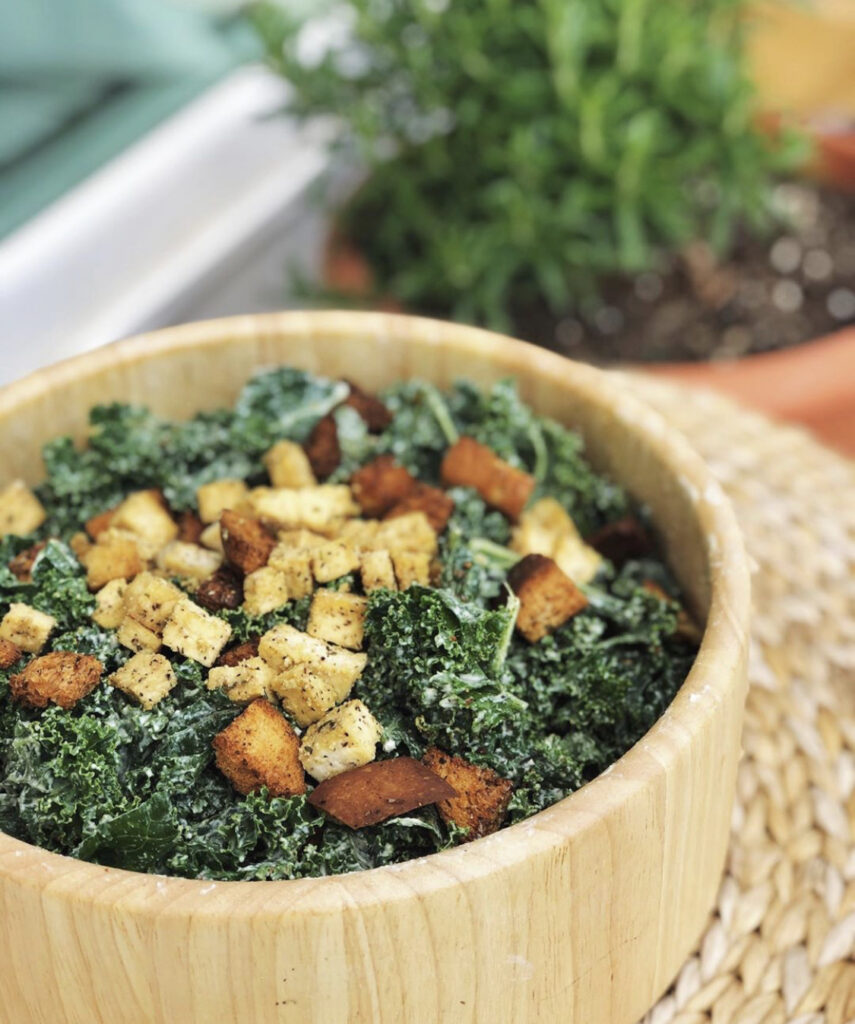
[214, 498]
[265, 590]
[147, 677]
[301, 539]
[242, 652]
[622, 540]
[61, 677]
[190, 561]
[377, 571]
[212, 538]
[468, 463]
[360, 533]
[296, 566]
[381, 484]
[79, 544]
[435, 504]
[547, 529]
[548, 597]
[246, 543]
[408, 532]
[305, 694]
[334, 560]
[322, 448]
[144, 515]
[96, 525]
[346, 737]
[411, 567]
[482, 796]
[137, 637]
[245, 681]
[338, 618]
[322, 509]
[114, 557]
[575, 558]
[222, 590]
[288, 465]
[258, 749]
[21, 566]
[285, 646]
[26, 627]
[10, 653]
[149, 600]
[21, 512]
[110, 604]
[195, 633]
[373, 412]
[190, 527]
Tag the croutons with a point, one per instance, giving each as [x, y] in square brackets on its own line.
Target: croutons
[10, 653]
[548, 597]
[96, 525]
[296, 567]
[247, 680]
[300, 539]
[288, 465]
[333, 560]
[322, 448]
[114, 557]
[411, 567]
[21, 512]
[21, 566]
[258, 749]
[285, 646]
[408, 532]
[110, 604]
[79, 544]
[374, 413]
[212, 538]
[190, 561]
[338, 618]
[381, 484]
[26, 627]
[222, 590]
[346, 737]
[482, 796]
[190, 527]
[371, 794]
[265, 590]
[242, 652]
[145, 516]
[547, 529]
[377, 571]
[468, 463]
[435, 504]
[147, 677]
[149, 600]
[245, 541]
[214, 498]
[622, 540]
[61, 677]
[322, 509]
[137, 637]
[305, 694]
[195, 633]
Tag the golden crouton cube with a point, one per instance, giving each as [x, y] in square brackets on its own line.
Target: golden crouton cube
[79, 544]
[377, 571]
[285, 646]
[338, 618]
[26, 627]
[9, 653]
[333, 560]
[145, 516]
[214, 498]
[96, 525]
[482, 796]
[288, 466]
[61, 677]
[114, 557]
[21, 566]
[301, 539]
[258, 749]
[195, 633]
[137, 637]
[265, 590]
[468, 463]
[296, 567]
[246, 543]
[110, 604]
[247, 680]
[577, 559]
[360, 533]
[380, 484]
[149, 599]
[212, 538]
[435, 504]
[190, 561]
[322, 448]
[21, 512]
[322, 509]
[548, 597]
[305, 694]
[346, 737]
[547, 529]
[147, 677]
[408, 532]
[411, 567]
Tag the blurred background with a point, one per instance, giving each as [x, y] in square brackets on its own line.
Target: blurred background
[625, 181]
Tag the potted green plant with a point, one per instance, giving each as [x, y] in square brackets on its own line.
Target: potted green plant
[587, 174]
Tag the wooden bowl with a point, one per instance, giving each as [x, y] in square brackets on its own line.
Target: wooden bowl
[583, 913]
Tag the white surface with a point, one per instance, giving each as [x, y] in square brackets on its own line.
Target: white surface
[136, 241]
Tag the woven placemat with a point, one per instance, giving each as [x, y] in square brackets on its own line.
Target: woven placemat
[780, 946]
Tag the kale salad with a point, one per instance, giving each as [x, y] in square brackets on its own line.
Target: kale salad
[321, 631]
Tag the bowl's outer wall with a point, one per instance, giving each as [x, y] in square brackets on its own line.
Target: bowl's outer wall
[581, 914]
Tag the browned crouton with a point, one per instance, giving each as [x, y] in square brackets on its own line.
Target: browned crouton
[322, 448]
[374, 413]
[236, 655]
[258, 749]
[371, 794]
[246, 543]
[98, 524]
[685, 628]
[9, 653]
[548, 597]
[22, 564]
[222, 590]
[622, 540]
[468, 463]
[190, 527]
[114, 559]
[380, 485]
[482, 796]
[435, 504]
[62, 677]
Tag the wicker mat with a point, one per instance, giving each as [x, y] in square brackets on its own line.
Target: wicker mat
[780, 946]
